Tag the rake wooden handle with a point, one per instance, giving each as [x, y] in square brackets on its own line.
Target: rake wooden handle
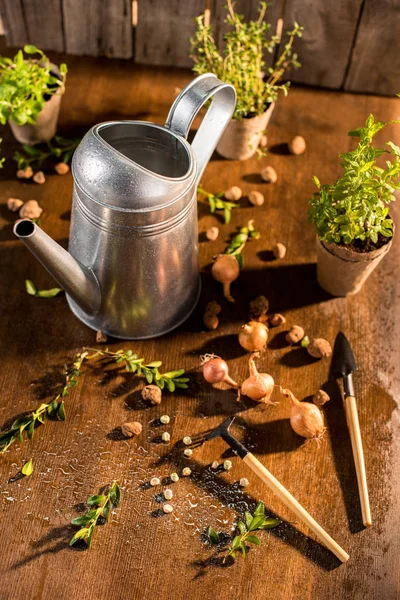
[296, 507]
[358, 454]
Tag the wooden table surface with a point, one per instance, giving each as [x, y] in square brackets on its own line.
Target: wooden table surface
[143, 553]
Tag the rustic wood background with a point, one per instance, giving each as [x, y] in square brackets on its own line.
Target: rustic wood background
[141, 553]
[347, 45]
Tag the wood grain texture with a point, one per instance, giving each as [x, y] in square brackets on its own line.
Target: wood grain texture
[44, 24]
[143, 553]
[375, 62]
[13, 22]
[324, 49]
[163, 31]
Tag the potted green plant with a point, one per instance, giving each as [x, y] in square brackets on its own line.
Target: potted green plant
[351, 216]
[242, 64]
[30, 95]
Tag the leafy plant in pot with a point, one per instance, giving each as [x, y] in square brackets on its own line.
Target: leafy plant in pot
[30, 95]
[351, 216]
[242, 65]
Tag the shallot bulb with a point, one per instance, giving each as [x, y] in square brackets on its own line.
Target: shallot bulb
[253, 336]
[259, 386]
[215, 370]
[225, 270]
[305, 418]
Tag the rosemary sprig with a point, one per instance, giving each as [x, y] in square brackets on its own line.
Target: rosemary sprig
[101, 505]
[134, 364]
[54, 409]
[216, 203]
[34, 156]
[252, 522]
[239, 241]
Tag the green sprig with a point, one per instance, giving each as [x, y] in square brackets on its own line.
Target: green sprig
[252, 522]
[59, 148]
[33, 291]
[239, 241]
[134, 364]
[216, 203]
[100, 506]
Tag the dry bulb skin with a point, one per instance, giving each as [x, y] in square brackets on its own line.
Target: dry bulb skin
[213, 307]
[259, 386]
[234, 193]
[253, 336]
[258, 309]
[279, 250]
[297, 145]
[210, 320]
[319, 348]
[14, 204]
[305, 418]
[212, 234]
[30, 210]
[226, 270]
[256, 198]
[101, 338]
[25, 173]
[321, 398]
[295, 334]
[216, 370]
[277, 319]
[152, 393]
[39, 177]
[131, 429]
[61, 168]
[268, 174]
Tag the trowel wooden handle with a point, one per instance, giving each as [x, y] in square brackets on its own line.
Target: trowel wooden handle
[295, 506]
[356, 444]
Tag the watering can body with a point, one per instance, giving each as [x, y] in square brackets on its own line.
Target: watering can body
[132, 268]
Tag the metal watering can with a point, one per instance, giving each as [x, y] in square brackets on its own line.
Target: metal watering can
[132, 268]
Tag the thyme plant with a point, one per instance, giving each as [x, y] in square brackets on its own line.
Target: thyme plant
[242, 61]
[354, 209]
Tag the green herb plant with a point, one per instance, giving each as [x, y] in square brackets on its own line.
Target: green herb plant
[239, 241]
[59, 148]
[26, 84]
[33, 291]
[242, 61]
[100, 504]
[354, 209]
[252, 522]
[217, 203]
[134, 364]
[54, 409]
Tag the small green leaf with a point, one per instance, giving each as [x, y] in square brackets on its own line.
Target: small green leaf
[174, 374]
[248, 518]
[270, 523]
[156, 363]
[96, 500]
[49, 293]
[253, 539]
[149, 376]
[213, 535]
[82, 520]
[260, 509]
[242, 527]
[27, 469]
[61, 412]
[30, 287]
[30, 49]
[115, 494]
[236, 542]
[256, 522]
[79, 535]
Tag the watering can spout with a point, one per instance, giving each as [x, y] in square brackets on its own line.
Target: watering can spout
[77, 281]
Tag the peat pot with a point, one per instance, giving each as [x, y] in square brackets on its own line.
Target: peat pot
[343, 272]
[46, 126]
[242, 136]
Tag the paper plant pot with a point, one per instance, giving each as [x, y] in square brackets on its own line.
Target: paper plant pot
[343, 272]
[46, 125]
[242, 137]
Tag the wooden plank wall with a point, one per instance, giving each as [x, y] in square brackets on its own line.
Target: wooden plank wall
[347, 44]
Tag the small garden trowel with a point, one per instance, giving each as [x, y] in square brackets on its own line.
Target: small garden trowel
[343, 364]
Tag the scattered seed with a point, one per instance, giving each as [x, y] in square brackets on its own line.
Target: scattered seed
[212, 234]
[279, 250]
[61, 168]
[167, 508]
[319, 348]
[277, 320]
[155, 481]
[152, 393]
[30, 210]
[215, 465]
[233, 193]
[227, 465]
[168, 494]
[295, 334]
[269, 175]
[14, 204]
[186, 472]
[213, 307]
[174, 477]
[131, 429]
[166, 437]
[244, 482]
[187, 440]
[297, 145]
[101, 337]
[320, 398]
[256, 198]
[25, 173]
[165, 419]
[188, 452]
[210, 320]
[39, 177]
[264, 141]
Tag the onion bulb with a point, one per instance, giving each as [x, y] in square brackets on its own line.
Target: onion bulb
[215, 370]
[305, 418]
[253, 336]
[226, 270]
[259, 386]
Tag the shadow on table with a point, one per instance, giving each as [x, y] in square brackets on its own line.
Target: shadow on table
[53, 542]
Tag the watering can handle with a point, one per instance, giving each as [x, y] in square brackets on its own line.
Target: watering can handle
[188, 104]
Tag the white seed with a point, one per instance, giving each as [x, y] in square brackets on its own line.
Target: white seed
[168, 494]
[14, 204]
[269, 174]
[233, 193]
[186, 472]
[256, 198]
[212, 234]
[154, 481]
[215, 465]
[279, 250]
[167, 508]
[174, 477]
[227, 465]
[297, 145]
[244, 482]
[166, 437]
[165, 419]
[187, 440]
[188, 452]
